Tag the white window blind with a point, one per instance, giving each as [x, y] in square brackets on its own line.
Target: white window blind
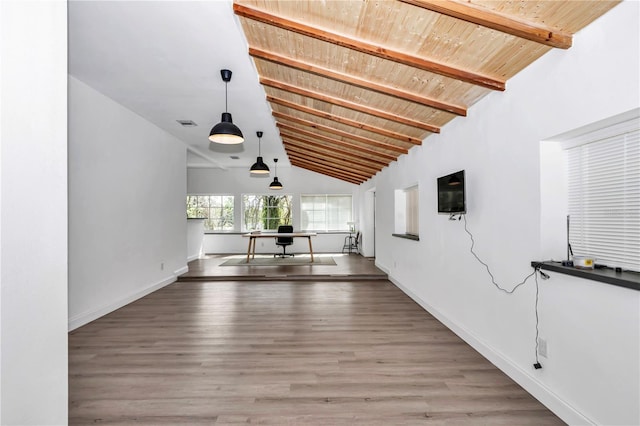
[324, 212]
[604, 198]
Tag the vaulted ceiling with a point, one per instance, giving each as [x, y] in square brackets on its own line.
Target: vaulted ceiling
[342, 88]
[352, 85]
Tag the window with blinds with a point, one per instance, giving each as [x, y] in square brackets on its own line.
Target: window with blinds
[326, 212]
[604, 196]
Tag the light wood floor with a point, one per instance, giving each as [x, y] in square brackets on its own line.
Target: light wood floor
[285, 353]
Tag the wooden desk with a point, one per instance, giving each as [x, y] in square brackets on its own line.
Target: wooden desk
[251, 251]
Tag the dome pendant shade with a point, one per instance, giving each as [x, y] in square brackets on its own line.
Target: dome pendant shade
[454, 181]
[259, 168]
[275, 184]
[226, 132]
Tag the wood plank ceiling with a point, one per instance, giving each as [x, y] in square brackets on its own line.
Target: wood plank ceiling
[355, 84]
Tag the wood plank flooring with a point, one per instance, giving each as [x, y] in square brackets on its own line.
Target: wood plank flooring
[348, 266]
[285, 353]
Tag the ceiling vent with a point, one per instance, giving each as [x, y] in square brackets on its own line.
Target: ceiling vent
[187, 123]
[234, 157]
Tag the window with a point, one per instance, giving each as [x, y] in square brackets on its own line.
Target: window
[326, 212]
[265, 212]
[603, 185]
[407, 202]
[216, 209]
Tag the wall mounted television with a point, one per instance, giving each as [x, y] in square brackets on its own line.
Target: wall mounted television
[451, 194]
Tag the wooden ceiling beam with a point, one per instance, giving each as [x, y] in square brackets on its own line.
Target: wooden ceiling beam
[346, 121]
[329, 172]
[348, 104]
[488, 18]
[331, 160]
[332, 155]
[332, 149]
[393, 148]
[366, 47]
[295, 135]
[330, 168]
[329, 165]
[337, 132]
[356, 81]
[325, 172]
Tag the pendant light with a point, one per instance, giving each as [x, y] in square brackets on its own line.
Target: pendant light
[276, 183]
[454, 180]
[259, 168]
[226, 132]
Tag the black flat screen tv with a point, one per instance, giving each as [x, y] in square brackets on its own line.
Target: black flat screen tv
[451, 194]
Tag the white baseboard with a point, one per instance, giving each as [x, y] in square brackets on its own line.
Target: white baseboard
[180, 271]
[546, 396]
[193, 257]
[92, 315]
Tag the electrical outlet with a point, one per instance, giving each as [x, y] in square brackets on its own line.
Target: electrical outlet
[162, 266]
[543, 348]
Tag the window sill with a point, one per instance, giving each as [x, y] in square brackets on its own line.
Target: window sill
[407, 236]
[606, 275]
[225, 232]
[275, 231]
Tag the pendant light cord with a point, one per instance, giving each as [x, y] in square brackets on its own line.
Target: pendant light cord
[226, 107]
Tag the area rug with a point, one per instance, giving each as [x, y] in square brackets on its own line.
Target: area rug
[264, 260]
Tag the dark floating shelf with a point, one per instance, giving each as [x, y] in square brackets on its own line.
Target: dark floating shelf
[407, 236]
[627, 279]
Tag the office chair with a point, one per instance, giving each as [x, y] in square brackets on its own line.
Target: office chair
[284, 241]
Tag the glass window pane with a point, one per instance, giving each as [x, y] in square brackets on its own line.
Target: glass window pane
[218, 209]
[215, 201]
[202, 200]
[266, 212]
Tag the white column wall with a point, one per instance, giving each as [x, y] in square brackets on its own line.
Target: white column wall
[195, 238]
[127, 220]
[592, 373]
[33, 220]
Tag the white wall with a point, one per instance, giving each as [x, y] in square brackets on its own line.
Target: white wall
[367, 223]
[195, 238]
[127, 220]
[296, 182]
[235, 243]
[593, 329]
[33, 221]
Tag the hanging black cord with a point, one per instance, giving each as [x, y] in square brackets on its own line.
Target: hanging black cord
[226, 107]
[493, 280]
[536, 269]
[537, 321]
